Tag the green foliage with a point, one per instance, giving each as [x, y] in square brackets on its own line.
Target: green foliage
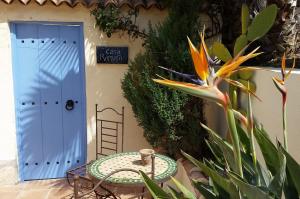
[169, 118]
[110, 19]
[240, 43]
[245, 18]
[293, 169]
[235, 173]
[219, 50]
[228, 184]
[262, 23]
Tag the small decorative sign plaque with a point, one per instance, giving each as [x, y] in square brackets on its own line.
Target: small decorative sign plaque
[112, 55]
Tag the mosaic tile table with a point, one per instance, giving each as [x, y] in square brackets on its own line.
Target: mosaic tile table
[165, 167]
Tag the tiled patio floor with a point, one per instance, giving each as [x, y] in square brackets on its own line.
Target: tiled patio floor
[43, 189]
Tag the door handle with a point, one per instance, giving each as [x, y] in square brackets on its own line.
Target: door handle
[69, 105]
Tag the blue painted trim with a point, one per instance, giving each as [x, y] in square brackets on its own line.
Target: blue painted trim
[12, 25]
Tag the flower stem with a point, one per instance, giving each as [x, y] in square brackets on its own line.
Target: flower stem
[284, 121]
[250, 132]
[235, 140]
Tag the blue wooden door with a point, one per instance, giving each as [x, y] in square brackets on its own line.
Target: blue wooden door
[49, 98]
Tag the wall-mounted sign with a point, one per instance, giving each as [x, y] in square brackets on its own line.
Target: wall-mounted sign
[112, 55]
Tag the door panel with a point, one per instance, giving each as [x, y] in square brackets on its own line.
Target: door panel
[50, 88]
[48, 71]
[71, 88]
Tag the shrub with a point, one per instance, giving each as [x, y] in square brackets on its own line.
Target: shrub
[169, 118]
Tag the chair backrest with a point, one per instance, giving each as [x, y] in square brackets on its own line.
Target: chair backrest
[109, 131]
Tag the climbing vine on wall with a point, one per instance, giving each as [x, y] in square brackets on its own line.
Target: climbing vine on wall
[111, 19]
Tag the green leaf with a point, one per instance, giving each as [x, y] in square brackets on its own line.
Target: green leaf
[245, 74]
[293, 168]
[245, 18]
[277, 182]
[265, 176]
[187, 194]
[262, 23]
[224, 146]
[268, 149]
[249, 190]
[244, 138]
[290, 190]
[174, 193]
[156, 191]
[219, 179]
[216, 151]
[221, 52]
[205, 190]
[240, 44]
[227, 150]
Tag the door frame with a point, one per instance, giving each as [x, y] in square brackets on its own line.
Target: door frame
[12, 27]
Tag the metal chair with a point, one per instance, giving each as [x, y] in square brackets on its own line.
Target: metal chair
[108, 141]
[110, 133]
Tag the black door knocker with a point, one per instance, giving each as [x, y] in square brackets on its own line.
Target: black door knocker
[69, 105]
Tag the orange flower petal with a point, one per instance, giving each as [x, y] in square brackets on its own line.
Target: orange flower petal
[291, 69]
[200, 60]
[227, 69]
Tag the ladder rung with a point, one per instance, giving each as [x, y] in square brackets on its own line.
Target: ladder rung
[109, 142]
[109, 135]
[109, 149]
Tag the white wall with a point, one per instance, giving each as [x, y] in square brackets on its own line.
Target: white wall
[268, 112]
[103, 82]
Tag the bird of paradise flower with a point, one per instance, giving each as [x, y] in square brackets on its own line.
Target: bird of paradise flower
[206, 84]
[280, 85]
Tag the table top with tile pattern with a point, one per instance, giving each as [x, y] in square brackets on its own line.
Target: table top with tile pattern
[165, 167]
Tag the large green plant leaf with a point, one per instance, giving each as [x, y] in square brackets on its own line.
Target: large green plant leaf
[217, 178]
[155, 190]
[227, 151]
[277, 182]
[205, 190]
[293, 169]
[221, 52]
[216, 151]
[244, 138]
[262, 23]
[265, 176]
[245, 18]
[187, 194]
[290, 190]
[251, 191]
[224, 146]
[240, 43]
[268, 149]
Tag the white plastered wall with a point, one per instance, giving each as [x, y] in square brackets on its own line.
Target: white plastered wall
[103, 82]
[268, 112]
